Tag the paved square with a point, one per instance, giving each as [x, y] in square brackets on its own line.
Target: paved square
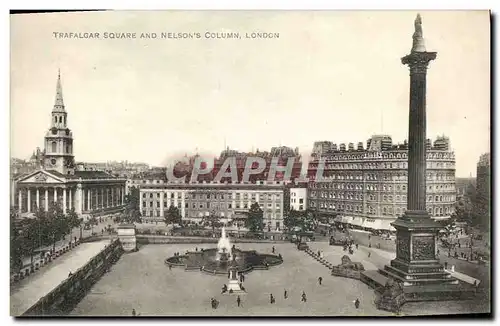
[142, 281]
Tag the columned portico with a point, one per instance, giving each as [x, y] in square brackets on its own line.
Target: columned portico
[64, 200]
[37, 198]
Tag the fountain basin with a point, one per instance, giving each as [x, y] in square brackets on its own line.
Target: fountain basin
[207, 261]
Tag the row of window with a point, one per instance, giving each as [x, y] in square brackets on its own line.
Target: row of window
[389, 210]
[382, 165]
[294, 200]
[376, 187]
[236, 196]
[210, 205]
[385, 198]
[157, 213]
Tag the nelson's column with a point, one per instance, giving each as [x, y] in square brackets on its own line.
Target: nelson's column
[416, 268]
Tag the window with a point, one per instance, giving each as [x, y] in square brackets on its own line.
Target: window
[143, 195]
[151, 204]
[301, 200]
[54, 147]
[150, 195]
[143, 204]
[229, 205]
[158, 204]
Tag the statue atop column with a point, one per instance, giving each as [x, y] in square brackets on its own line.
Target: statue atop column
[418, 36]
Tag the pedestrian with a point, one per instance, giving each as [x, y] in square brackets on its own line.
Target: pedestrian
[285, 294]
[273, 249]
[370, 245]
[445, 265]
[133, 312]
[238, 301]
[271, 298]
[357, 246]
[369, 254]
[320, 279]
[304, 297]
[438, 251]
[170, 266]
[356, 303]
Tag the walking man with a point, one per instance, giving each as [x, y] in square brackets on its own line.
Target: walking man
[273, 249]
[304, 297]
[271, 298]
[320, 279]
[356, 303]
[285, 294]
[238, 301]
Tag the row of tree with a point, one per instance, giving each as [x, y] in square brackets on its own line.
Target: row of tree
[27, 235]
[254, 220]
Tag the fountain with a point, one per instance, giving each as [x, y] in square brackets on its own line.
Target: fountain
[224, 259]
[224, 252]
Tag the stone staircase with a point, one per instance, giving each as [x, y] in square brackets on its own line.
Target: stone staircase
[322, 261]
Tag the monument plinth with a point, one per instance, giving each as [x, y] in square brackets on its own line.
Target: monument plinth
[234, 284]
[416, 269]
[127, 237]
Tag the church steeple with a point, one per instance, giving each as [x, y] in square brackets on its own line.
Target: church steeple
[59, 103]
[59, 139]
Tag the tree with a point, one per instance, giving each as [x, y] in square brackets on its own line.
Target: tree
[255, 220]
[56, 225]
[173, 215]
[302, 220]
[212, 220]
[132, 209]
[293, 219]
[16, 241]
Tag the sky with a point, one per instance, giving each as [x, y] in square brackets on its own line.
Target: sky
[331, 75]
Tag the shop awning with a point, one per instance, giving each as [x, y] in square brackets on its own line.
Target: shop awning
[386, 225]
[347, 219]
[358, 221]
[372, 224]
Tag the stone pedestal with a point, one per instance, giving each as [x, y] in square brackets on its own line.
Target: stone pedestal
[234, 285]
[127, 237]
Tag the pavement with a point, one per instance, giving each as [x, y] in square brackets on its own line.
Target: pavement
[24, 294]
[75, 232]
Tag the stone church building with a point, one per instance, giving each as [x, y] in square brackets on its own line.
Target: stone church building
[58, 179]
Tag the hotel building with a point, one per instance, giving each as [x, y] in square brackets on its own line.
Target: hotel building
[366, 187]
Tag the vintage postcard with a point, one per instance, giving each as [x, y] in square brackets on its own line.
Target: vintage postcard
[250, 163]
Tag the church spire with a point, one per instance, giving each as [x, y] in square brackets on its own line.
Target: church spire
[59, 104]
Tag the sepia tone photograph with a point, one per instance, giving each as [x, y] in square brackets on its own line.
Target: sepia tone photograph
[250, 163]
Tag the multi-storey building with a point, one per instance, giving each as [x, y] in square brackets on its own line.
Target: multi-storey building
[229, 201]
[298, 198]
[367, 187]
[483, 187]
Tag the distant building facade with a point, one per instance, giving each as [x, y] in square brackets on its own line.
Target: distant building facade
[366, 187]
[483, 186]
[228, 201]
[58, 179]
[298, 198]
